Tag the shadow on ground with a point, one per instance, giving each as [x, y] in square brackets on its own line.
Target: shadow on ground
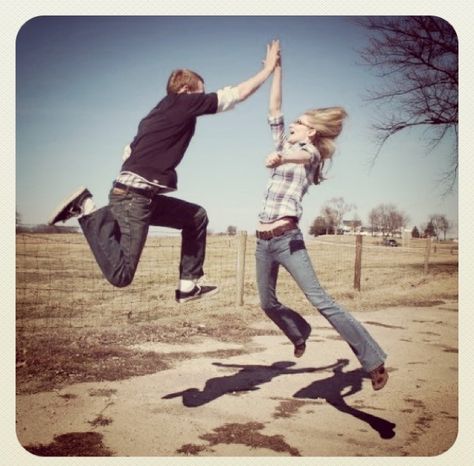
[333, 390]
[341, 385]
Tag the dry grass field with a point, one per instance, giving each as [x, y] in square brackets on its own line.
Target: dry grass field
[103, 371]
[72, 326]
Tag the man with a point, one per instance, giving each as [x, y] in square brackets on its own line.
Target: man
[117, 232]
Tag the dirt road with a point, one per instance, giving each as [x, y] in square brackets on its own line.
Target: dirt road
[266, 402]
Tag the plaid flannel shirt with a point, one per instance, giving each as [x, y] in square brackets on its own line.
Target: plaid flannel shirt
[137, 181]
[288, 182]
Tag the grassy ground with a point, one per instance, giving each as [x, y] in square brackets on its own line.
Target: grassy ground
[73, 326]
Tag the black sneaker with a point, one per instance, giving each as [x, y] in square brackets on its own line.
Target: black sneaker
[199, 291]
[70, 207]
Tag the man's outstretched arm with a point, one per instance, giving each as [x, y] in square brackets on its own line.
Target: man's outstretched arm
[229, 96]
[249, 86]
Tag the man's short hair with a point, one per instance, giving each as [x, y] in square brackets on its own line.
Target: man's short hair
[183, 77]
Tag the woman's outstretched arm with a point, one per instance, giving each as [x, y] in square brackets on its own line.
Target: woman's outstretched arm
[275, 91]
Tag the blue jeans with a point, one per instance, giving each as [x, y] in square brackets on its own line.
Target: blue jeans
[290, 251]
[117, 233]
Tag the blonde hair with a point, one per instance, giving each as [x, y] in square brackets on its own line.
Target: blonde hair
[328, 125]
[183, 77]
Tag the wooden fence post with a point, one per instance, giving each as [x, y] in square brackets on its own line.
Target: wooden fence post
[427, 254]
[358, 262]
[241, 248]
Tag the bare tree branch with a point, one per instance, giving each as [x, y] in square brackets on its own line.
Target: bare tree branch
[416, 58]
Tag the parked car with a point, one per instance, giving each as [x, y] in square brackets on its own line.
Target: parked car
[390, 242]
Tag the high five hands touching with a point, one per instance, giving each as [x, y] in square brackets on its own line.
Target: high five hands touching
[248, 87]
[273, 55]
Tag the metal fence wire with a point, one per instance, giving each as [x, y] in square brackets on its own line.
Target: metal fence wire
[58, 281]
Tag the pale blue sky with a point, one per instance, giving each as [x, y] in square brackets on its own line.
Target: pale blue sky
[84, 83]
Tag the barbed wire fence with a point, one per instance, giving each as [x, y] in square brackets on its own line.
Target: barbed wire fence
[59, 284]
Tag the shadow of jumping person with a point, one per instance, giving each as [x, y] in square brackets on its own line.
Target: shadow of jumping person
[332, 389]
[247, 379]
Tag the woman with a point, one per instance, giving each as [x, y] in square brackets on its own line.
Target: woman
[296, 164]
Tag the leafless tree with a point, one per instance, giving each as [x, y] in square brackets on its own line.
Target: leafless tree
[416, 58]
[334, 211]
[440, 224]
[329, 216]
[387, 219]
[373, 220]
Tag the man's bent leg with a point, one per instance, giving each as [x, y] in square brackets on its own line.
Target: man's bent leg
[116, 234]
[192, 220]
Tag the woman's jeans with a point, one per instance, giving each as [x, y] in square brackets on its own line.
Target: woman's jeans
[289, 251]
[117, 233]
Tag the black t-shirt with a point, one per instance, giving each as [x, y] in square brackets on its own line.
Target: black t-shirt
[164, 135]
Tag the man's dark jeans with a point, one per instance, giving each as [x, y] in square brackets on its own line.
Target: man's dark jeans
[117, 233]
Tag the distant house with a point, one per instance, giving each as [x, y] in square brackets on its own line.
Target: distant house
[351, 227]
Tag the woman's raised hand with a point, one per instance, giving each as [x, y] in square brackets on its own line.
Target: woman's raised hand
[273, 55]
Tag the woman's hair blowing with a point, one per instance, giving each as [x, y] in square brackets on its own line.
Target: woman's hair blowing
[328, 125]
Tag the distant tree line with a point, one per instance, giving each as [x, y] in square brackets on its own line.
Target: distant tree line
[331, 217]
[384, 219]
[42, 228]
[46, 229]
[387, 219]
[438, 224]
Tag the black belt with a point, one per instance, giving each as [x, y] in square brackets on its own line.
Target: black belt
[150, 193]
[278, 231]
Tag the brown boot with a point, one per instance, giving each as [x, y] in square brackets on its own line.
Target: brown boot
[299, 350]
[379, 377]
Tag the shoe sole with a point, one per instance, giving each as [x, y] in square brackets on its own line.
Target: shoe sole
[198, 296]
[52, 220]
